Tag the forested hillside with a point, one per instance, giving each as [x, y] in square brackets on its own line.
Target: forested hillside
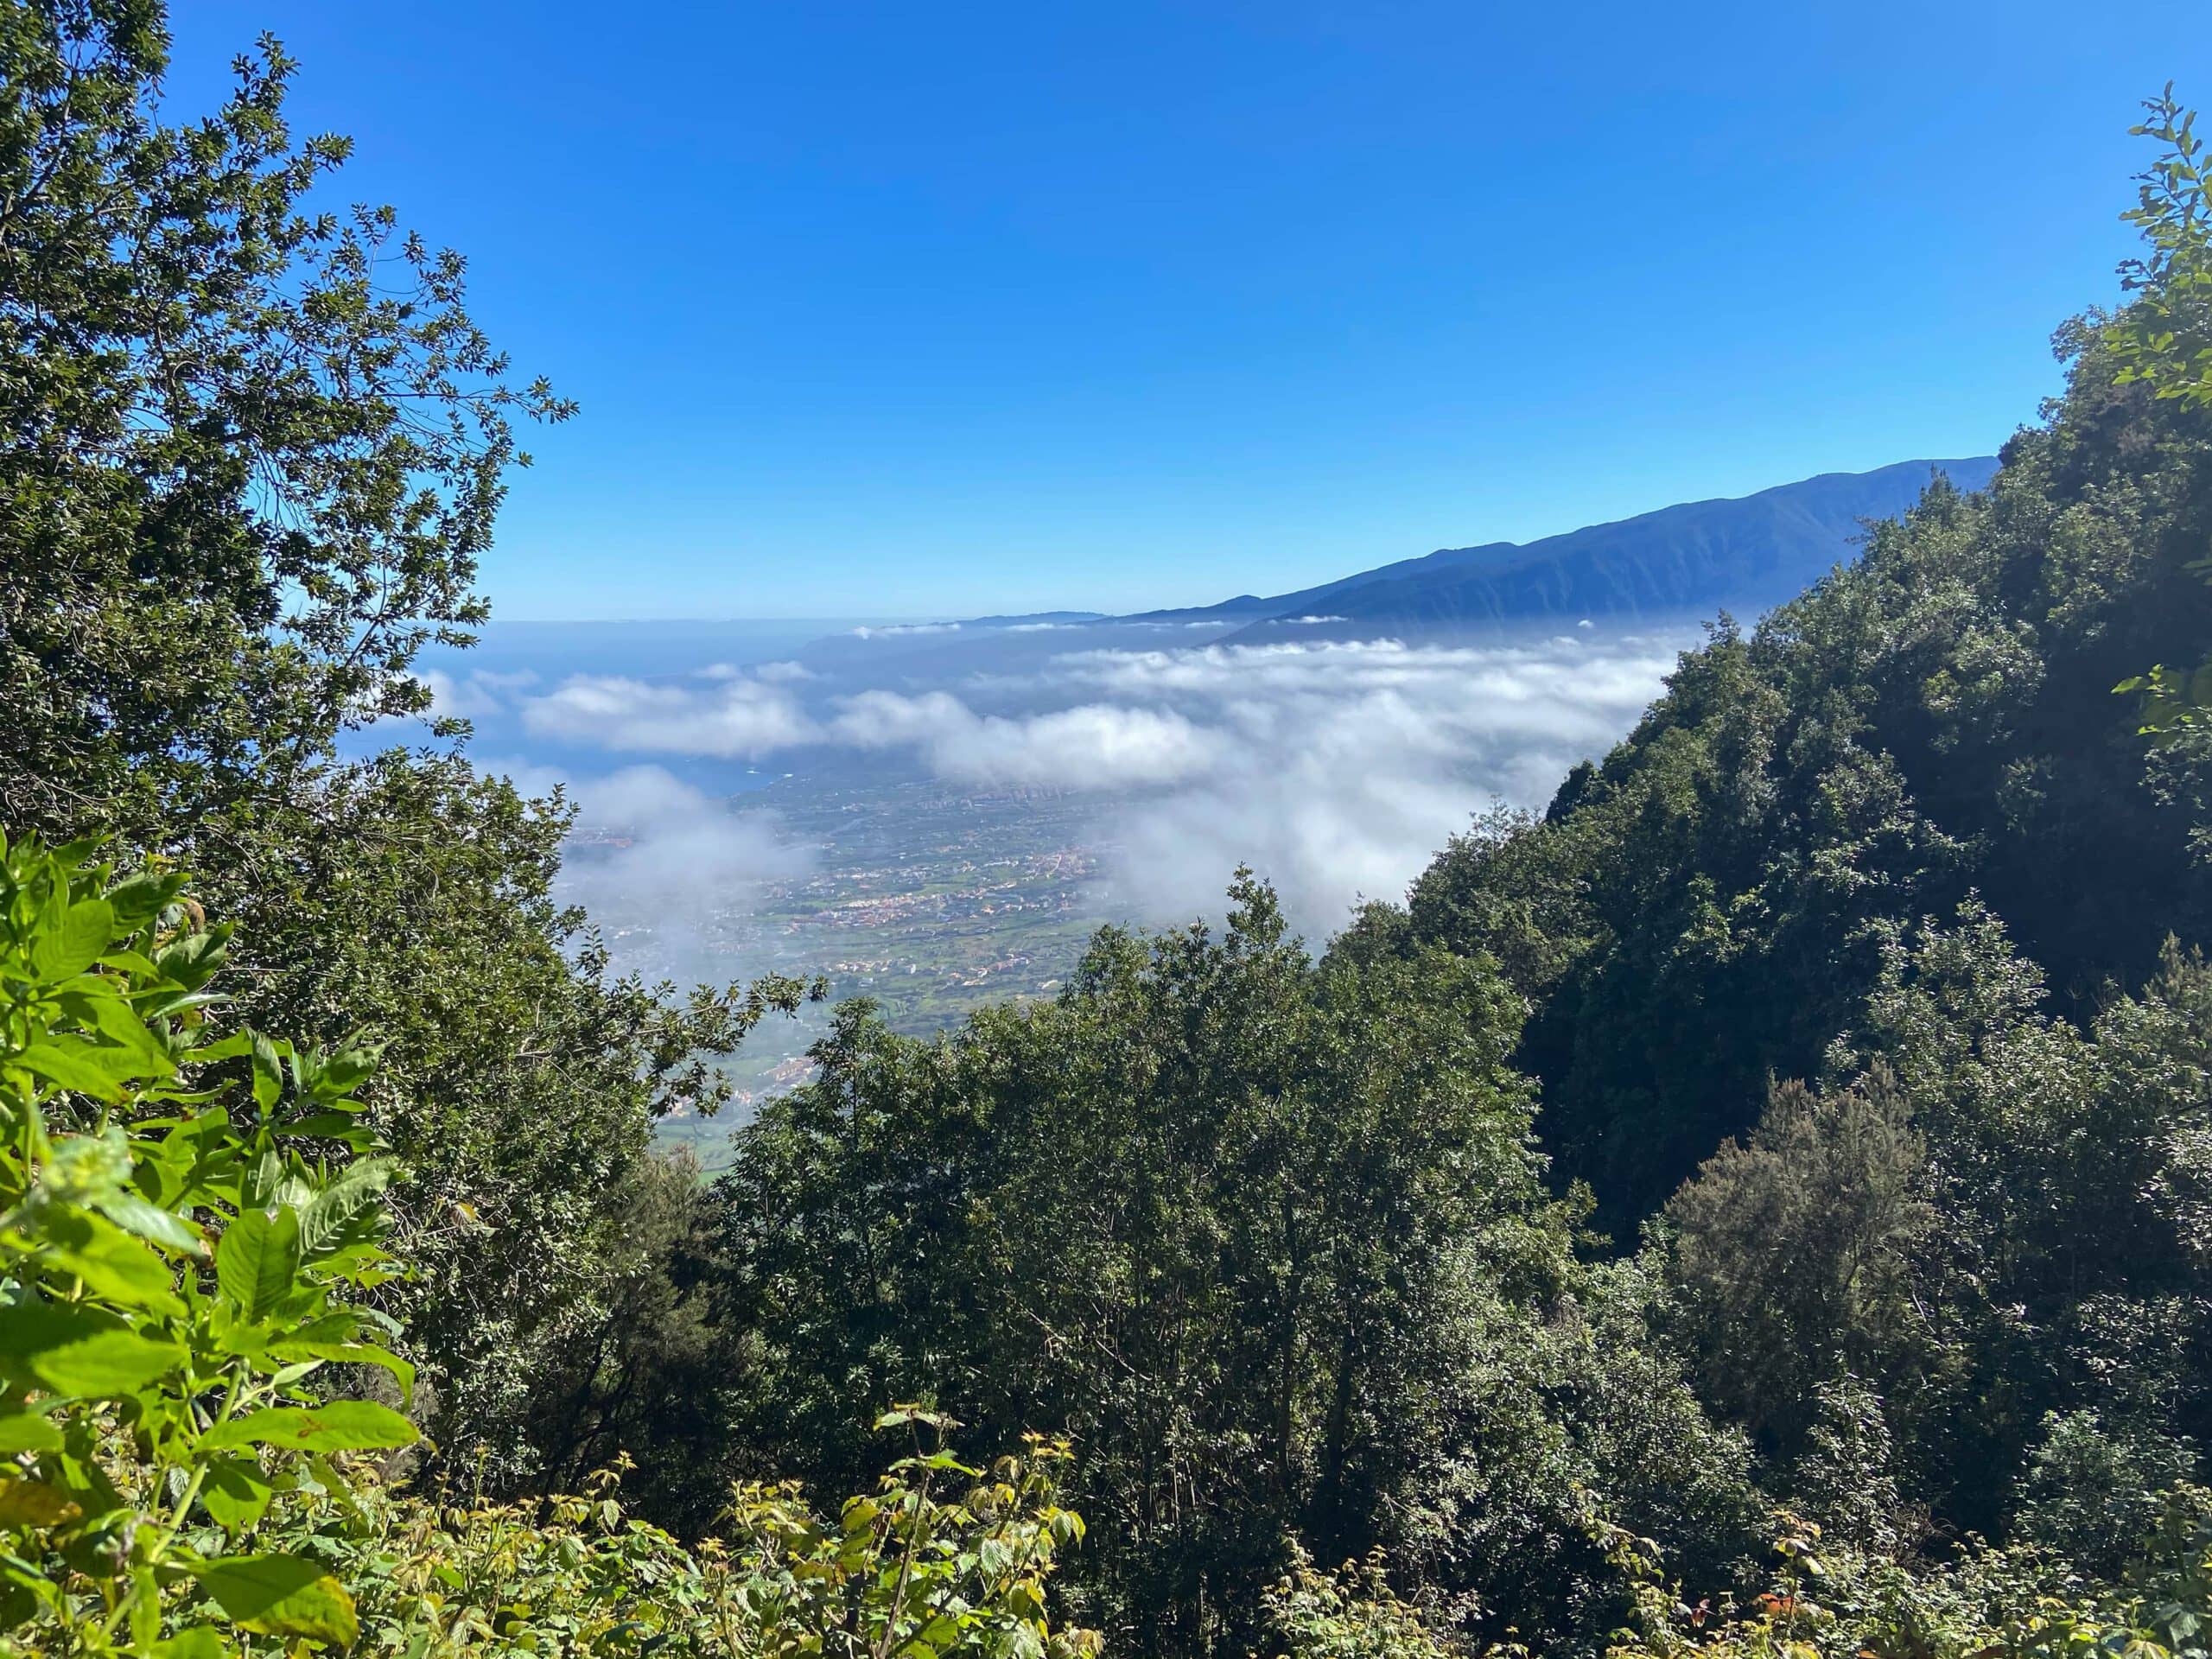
[1761, 1206]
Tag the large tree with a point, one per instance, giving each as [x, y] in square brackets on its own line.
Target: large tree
[251, 451]
[1266, 1236]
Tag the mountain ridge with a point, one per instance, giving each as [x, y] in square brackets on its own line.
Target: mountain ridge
[1751, 551]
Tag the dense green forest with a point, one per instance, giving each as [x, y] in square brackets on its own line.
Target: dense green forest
[1761, 1204]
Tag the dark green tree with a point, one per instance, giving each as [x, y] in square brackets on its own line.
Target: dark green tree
[251, 451]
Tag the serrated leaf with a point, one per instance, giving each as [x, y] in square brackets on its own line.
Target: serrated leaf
[64, 953]
[258, 1261]
[341, 1425]
[282, 1595]
[81, 1351]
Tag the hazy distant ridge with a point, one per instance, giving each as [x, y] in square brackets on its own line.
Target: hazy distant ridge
[1749, 552]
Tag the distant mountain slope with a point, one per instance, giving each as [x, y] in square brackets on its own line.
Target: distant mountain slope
[1745, 553]
[1749, 552]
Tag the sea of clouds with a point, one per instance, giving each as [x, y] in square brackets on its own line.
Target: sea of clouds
[1335, 769]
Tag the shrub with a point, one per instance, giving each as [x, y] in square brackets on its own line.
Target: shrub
[184, 1219]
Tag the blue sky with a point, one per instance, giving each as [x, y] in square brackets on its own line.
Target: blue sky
[908, 310]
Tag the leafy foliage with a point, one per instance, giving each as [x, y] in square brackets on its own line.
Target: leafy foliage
[251, 453]
[182, 1260]
[1263, 1237]
[185, 1261]
[1862, 978]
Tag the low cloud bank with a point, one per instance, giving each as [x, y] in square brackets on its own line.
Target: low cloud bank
[1098, 746]
[658, 863]
[1336, 769]
[1349, 764]
[740, 717]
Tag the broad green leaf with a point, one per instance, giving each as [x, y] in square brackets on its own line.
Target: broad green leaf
[341, 1425]
[137, 899]
[350, 1353]
[114, 1265]
[282, 1595]
[25, 1431]
[201, 1641]
[86, 930]
[267, 1073]
[71, 854]
[116, 1022]
[71, 1063]
[145, 1606]
[193, 962]
[235, 1493]
[135, 1215]
[258, 1260]
[328, 1217]
[80, 1350]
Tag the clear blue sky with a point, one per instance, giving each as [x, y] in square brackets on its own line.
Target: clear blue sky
[907, 309]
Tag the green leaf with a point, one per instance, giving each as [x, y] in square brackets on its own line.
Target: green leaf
[34, 1503]
[341, 1425]
[116, 1021]
[25, 1431]
[80, 1350]
[258, 1262]
[193, 962]
[201, 1641]
[235, 1493]
[282, 1595]
[350, 1353]
[137, 899]
[329, 1216]
[86, 930]
[70, 1064]
[267, 1073]
[114, 1265]
[135, 1215]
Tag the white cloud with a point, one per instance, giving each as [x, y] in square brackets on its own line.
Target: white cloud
[1344, 766]
[658, 864]
[740, 717]
[1098, 746]
[651, 846]
[896, 629]
[473, 696]
[1335, 768]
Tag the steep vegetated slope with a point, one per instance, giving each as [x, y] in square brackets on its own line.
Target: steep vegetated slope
[1846, 978]
[1711, 904]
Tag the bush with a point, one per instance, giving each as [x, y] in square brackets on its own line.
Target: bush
[185, 1219]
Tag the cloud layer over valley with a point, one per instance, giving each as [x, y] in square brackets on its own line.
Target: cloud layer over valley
[1336, 769]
